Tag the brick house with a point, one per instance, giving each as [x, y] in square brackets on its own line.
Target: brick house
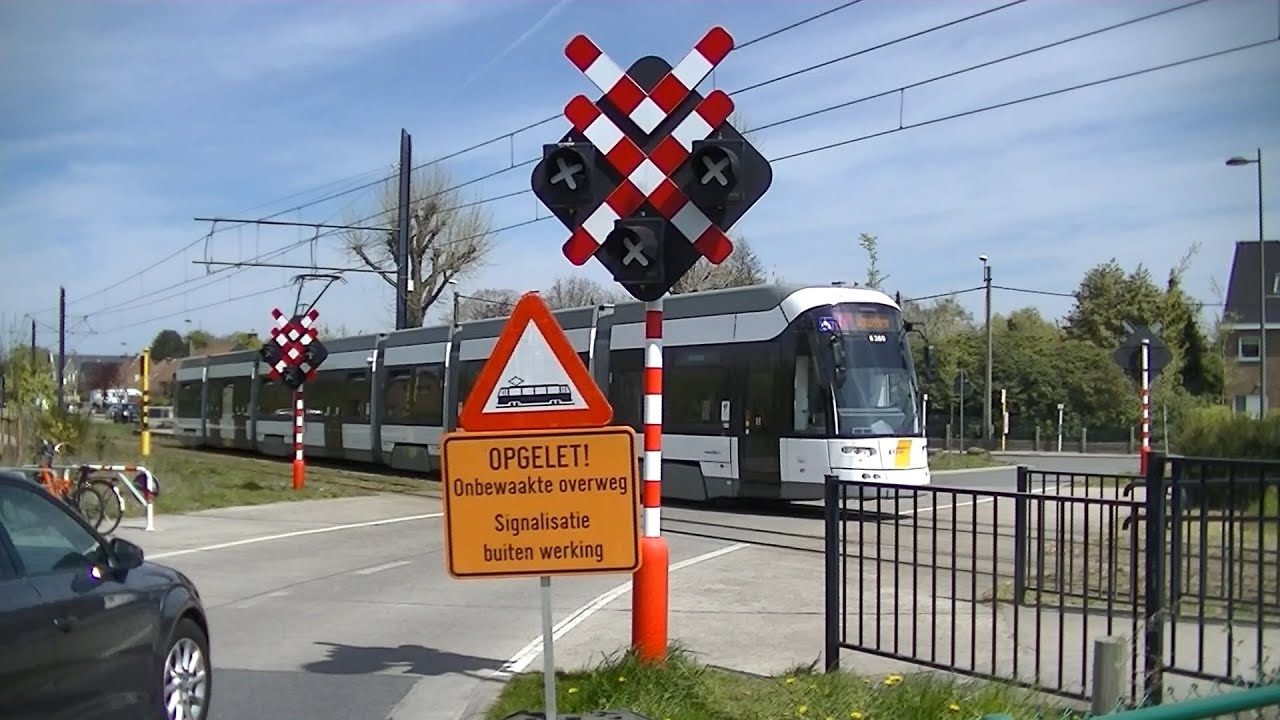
[1242, 330]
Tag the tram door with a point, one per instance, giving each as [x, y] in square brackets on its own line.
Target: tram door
[763, 415]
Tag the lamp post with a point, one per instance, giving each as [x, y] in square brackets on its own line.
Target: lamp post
[1262, 286]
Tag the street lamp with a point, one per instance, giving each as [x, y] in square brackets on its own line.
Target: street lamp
[1262, 286]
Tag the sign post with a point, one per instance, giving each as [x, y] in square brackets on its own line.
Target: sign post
[1143, 356]
[293, 354]
[536, 482]
[648, 181]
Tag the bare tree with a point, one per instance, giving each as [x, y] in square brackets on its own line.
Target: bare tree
[743, 267]
[572, 292]
[448, 238]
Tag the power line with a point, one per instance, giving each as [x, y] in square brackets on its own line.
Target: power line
[512, 133]
[901, 126]
[988, 108]
[539, 123]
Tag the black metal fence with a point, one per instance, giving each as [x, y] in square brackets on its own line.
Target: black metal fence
[1018, 584]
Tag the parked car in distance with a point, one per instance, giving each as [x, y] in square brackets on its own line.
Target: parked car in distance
[89, 630]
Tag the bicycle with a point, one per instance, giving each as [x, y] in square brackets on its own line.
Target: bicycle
[80, 495]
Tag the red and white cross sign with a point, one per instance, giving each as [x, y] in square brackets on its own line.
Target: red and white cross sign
[292, 337]
[647, 177]
[648, 110]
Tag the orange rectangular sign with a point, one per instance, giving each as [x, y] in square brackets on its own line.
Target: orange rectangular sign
[541, 502]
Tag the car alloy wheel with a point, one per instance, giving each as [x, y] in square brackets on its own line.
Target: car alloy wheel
[186, 686]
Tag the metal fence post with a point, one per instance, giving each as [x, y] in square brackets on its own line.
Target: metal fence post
[1021, 536]
[831, 546]
[1153, 602]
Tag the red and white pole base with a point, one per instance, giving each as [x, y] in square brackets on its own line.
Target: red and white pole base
[649, 588]
[299, 420]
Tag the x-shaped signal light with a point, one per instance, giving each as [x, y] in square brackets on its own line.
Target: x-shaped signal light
[716, 171]
[634, 251]
[567, 173]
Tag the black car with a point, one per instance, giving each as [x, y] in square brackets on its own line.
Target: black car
[88, 629]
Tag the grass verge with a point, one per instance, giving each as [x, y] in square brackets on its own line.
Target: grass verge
[191, 480]
[962, 461]
[685, 690]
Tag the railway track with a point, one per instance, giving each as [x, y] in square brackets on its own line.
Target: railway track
[795, 528]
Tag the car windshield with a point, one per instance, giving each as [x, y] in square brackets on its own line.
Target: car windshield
[879, 396]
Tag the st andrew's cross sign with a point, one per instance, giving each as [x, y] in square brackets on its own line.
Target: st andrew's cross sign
[652, 174]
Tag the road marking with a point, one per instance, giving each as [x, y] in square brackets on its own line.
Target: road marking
[380, 568]
[296, 533]
[250, 602]
[530, 652]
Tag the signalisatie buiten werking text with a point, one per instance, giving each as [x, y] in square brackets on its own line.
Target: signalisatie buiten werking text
[537, 466]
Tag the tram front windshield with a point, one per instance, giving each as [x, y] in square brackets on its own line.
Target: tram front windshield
[878, 397]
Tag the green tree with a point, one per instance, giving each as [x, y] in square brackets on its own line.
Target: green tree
[1106, 298]
[168, 344]
[871, 244]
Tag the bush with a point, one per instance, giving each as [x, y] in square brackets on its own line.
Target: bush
[1217, 433]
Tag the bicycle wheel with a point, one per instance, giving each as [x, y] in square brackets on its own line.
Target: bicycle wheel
[112, 506]
[89, 503]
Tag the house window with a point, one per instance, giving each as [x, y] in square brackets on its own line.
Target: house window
[1247, 404]
[1249, 348]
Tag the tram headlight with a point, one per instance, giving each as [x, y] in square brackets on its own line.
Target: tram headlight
[858, 450]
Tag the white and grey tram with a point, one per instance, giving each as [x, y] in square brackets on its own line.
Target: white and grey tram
[766, 389]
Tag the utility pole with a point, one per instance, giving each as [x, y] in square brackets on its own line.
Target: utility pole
[33, 344]
[62, 347]
[1262, 287]
[402, 244]
[986, 386]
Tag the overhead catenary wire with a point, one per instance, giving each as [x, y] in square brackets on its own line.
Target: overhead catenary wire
[902, 127]
[530, 126]
[975, 111]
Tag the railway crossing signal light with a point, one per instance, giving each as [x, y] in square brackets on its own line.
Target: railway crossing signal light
[716, 170]
[568, 179]
[660, 163]
[635, 251]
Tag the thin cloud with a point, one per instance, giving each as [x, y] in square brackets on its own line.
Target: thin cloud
[528, 33]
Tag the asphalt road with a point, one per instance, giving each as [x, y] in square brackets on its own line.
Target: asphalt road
[365, 623]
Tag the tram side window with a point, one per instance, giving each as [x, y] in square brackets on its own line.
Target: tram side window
[626, 386]
[812, 404]
[695, 381]
[415, 395]
[339, 394]
[468, 371]
[275, 400]
[214, 408]
[240, 395]
[189, 399]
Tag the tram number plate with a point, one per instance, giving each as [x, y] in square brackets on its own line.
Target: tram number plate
[877, 338]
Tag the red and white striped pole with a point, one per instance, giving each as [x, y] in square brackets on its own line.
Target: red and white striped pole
[299, 420]
[649, 589]
[1145, 380]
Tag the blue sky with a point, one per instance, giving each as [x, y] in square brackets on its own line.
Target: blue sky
[125, 120]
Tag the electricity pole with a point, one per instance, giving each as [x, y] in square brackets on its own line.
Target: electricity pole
[62, 347]
[33, 344]
[986, 386]
[402, 244]
[1262, 287]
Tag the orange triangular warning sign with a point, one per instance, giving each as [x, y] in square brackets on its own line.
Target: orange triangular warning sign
[534, 378]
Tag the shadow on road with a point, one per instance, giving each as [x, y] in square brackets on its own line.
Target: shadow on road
[411, 659]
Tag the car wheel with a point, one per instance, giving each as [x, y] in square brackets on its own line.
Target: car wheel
[186, 676]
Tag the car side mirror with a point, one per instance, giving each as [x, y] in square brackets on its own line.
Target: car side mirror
[123, 555]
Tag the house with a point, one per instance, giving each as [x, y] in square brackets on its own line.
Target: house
[1242, 328]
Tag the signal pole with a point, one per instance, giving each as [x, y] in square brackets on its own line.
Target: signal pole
[402, 240]
[986, 386]
[62, 347]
